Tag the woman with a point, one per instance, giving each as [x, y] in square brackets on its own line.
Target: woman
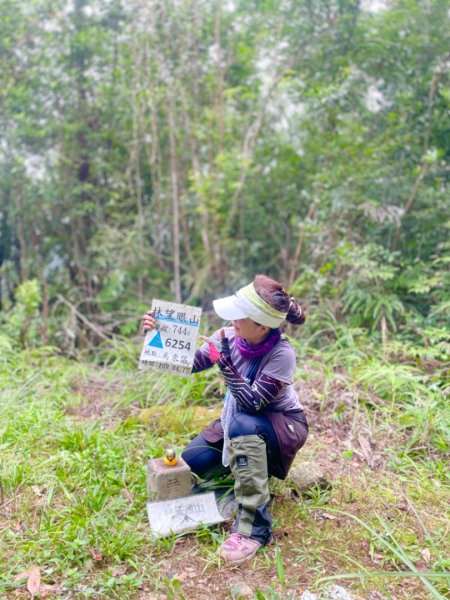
[262, 424]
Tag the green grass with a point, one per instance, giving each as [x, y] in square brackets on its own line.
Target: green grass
[73, 452]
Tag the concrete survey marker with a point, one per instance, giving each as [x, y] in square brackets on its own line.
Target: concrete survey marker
[170, 346]
[167, 483]
[174, 508]
[183, 514]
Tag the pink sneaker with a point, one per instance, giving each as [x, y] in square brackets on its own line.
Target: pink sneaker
[238, 548]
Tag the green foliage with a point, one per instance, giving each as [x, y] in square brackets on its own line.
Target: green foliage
[311, 147]
[387, 542]
[390, 381]
[280, 567]
[178, 150]
[21, 321]
[28, 297]
[367, 295]
[75, 438]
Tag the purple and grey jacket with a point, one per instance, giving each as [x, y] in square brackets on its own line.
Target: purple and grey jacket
[270, 393]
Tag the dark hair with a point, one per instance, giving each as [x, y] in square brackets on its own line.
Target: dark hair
[273, 293]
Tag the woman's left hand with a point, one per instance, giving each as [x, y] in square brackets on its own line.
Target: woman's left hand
[225, 344]
[225, 363]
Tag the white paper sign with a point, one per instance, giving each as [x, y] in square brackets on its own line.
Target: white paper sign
[170, 346]
[183, 514]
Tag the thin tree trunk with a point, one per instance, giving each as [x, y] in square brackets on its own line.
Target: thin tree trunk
[221, 74]
[175, 199]
[134, 175]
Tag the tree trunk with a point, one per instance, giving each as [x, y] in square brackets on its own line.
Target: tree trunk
[175, 199]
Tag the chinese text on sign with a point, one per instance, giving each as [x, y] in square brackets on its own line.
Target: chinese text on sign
[170, 346]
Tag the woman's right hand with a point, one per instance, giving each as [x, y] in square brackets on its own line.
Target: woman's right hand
[214, 346]
[148, 321]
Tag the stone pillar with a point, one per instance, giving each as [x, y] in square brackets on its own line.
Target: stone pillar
[167, 483]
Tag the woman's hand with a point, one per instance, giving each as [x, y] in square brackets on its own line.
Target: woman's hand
[225, 363]
[214, 346]
[225, 351]
[148, 321]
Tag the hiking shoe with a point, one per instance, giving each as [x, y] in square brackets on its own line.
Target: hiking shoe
[238, 548]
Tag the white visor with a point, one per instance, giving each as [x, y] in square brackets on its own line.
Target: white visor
[230, 308]
[247, 303]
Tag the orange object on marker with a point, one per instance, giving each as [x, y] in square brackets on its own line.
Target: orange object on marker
[170, 459]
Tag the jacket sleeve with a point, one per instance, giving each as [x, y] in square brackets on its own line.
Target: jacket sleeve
[201, 362]
[250, 398]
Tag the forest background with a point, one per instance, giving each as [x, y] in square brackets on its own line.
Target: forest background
[173, 149]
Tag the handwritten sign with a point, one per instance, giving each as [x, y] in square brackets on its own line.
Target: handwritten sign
[170, 346]
[183, 514]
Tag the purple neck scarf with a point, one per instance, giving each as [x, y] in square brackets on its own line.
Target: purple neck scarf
[252, 351]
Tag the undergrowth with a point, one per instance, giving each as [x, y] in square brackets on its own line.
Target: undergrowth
[74, 445]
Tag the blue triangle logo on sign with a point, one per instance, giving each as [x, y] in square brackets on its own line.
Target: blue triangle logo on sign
[156, 342]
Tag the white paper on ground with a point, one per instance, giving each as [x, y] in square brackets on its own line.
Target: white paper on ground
[183, 514]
